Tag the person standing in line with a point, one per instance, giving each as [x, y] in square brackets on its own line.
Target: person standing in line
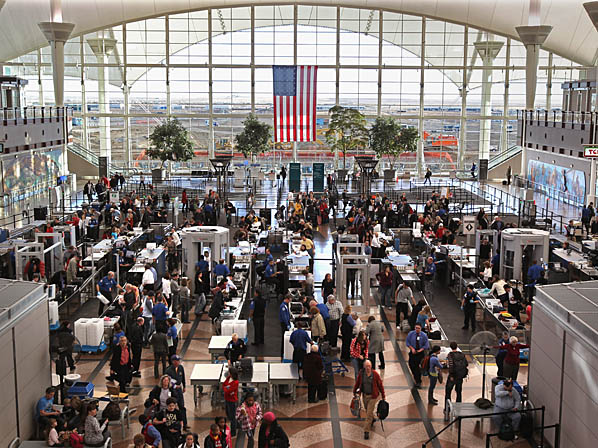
[511, 361]
[313, 368]
[435, 374]
[369, 385]
[502, 353]
[347, 324]
[375, 333]
[249, 415]
[121, 365]
[176, 371]
[299, 340]
[417, 342]
[159, 342]
[468, 305]
[428, 176]
[359, 351]
[271, 433]
[136, 337]
[429, 274]
[385, 280]
[257, 313]
[335, 312]
[231, 397]
[318, 326]
[284, 316]
[458, 371]
[403, 296]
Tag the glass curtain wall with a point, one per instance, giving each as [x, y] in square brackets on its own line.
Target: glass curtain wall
[210, 68]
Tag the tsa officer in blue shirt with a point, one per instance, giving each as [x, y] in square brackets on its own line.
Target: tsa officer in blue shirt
[284, 315]
[106, 287]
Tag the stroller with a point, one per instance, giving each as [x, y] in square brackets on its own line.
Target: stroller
[331, 360]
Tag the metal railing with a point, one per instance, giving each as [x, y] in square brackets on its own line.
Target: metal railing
[557, 117]
[94, 159]
[503, 156]
[460, 419]
[550, 191]
[34, 114]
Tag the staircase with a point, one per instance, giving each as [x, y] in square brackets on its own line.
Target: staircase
[86, 163]
[497, 165]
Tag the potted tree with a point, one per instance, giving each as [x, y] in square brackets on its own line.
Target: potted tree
[346, 131]
[255, 137]
[169, 143]
[389, 138]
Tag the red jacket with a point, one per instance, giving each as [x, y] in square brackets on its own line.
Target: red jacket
[356, 349]
[512, 352]
[377, 386]
[231, 389]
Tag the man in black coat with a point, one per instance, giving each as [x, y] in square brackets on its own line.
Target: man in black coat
[136, 336]
[121, 364]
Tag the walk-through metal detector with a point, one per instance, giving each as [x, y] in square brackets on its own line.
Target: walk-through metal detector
[518, 248]
[196, 240]
[51, 256]
[354, 259]
[491, 236]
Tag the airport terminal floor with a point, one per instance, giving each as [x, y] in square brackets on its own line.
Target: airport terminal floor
[329, 423]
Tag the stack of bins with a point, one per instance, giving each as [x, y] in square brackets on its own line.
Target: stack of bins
[81, 330]
[95, 332]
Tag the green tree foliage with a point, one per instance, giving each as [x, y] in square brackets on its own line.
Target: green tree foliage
[170, 142]
[346, 130]
[388, 137]
[255, 137]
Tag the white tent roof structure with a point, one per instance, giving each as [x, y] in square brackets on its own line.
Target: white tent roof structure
[573, 35]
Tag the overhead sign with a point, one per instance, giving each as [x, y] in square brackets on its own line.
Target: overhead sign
[294, 177]
[590, 152]
[469, 225]
[318, 176]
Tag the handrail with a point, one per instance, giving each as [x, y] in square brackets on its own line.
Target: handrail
[490, 414]
[550, 191]
[503, 156]
[94, 159]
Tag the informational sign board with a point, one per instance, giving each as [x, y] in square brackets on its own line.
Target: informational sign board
[590, 152]
[294, 177]
[469, 225]
[318, 172]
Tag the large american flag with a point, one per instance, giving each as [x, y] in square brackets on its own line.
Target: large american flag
[294, 102]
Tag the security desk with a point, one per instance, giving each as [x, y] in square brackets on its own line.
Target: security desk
[217, 346]
[283, 373]
[205, 375]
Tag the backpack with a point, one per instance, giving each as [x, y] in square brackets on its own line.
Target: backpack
[460, 365]
[76, 440]
[405, 326]
[145, 431]
[483, 403]
[383, 409]
[425, 365]
[506, 431]
[112, 411]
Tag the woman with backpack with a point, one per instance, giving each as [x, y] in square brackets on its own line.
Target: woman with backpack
[435, 373]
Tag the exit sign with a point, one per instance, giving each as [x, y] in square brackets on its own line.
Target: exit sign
[590, 152]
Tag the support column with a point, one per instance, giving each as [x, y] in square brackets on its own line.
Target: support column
[592, 11]
[532, 36]
[463, 119]
[488, 50]
[420, 142]
[103, 48]
[504, 141]
[57, 33]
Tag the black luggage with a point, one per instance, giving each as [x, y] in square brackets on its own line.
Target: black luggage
[323, 390]
[526, 426]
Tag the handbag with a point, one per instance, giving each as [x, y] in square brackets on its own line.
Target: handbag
[356, 406]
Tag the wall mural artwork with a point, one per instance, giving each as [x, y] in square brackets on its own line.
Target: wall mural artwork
[556, 180]
[31, 172]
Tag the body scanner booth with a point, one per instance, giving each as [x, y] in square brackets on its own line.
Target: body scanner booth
[196, 240]
[518, 248]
